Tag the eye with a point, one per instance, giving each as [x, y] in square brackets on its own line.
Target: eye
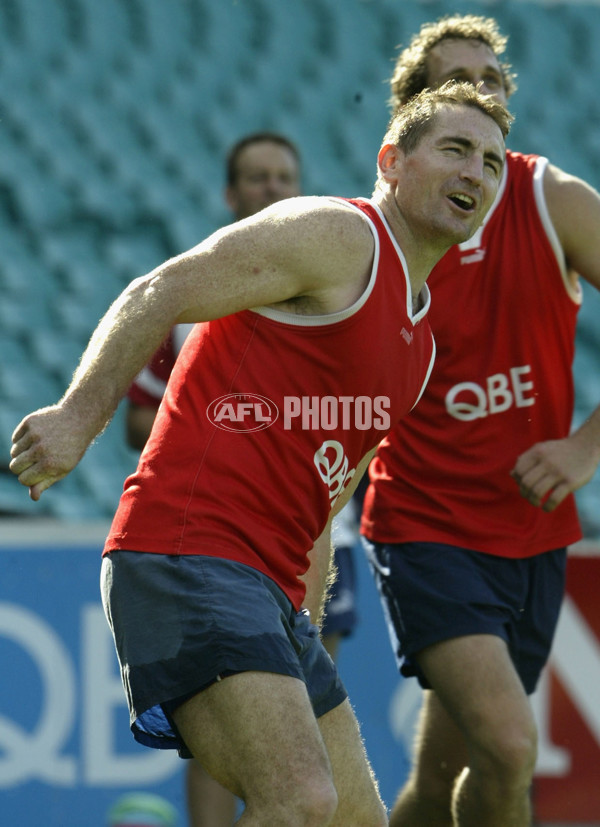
[492, 81]
[493, 166]
[459, 77]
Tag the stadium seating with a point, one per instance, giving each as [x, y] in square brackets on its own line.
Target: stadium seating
[115, 118]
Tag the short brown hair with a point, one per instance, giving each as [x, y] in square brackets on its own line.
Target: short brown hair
[410, 70]
[413, 120]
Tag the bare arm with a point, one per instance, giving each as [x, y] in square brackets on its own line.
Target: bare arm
[550, 471]
[574, 208]
[320, 574]
[290, 250]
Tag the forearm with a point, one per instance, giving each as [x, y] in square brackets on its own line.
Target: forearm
[588, 434]
[549, 471]
[126, 337]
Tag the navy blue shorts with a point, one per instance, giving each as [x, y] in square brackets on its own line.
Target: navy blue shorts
[180, 623]
[340, 612]
[433, 592]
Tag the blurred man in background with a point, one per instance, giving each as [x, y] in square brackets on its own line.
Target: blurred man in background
[470, 506]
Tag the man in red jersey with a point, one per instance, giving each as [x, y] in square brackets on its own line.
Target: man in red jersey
[310, 311]
[261, 169]
[470, 505]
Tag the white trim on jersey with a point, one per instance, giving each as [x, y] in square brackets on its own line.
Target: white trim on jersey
[573, 288]
[332, 318]
[424, 295]
[429, 369]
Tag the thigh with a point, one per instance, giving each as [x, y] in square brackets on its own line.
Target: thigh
[255, 733]
[193, 621]
[476, 681]
[358, 796]
[432, 592]
[439, 752]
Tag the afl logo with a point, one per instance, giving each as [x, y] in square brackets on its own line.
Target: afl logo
[242, 412]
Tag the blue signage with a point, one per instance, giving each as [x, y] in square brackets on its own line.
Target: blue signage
[66, 752]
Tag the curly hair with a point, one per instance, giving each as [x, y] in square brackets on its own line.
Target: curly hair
[410, 70]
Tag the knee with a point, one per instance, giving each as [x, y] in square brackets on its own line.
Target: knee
[517, 751]
[315, 804]
[368, 813]
[510, 756]
[307, 805]
[434, 785]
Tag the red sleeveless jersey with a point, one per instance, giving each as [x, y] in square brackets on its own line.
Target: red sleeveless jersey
[503, 315]
[266, 416]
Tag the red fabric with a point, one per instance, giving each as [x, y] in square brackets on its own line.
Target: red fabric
[263, 497]
[504, 322]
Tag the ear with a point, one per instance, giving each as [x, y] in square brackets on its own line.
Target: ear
[387, 160]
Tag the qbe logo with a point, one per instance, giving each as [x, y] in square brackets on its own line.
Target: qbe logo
[242, 412]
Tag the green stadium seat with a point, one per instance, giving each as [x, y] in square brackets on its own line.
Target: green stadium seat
[115, 118]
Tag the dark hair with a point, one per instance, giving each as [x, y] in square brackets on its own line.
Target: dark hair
[256, 138]
[413, 120]
[410, 70]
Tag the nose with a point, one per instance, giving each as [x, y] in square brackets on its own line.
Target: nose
[274, 184]
[473, 168]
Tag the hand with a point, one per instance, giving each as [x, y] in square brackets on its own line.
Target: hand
[47, 444]
[549, 471]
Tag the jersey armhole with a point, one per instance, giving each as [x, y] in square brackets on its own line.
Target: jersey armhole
[574, 290]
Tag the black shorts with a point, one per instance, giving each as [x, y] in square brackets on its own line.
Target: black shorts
[433, 592]
[180, 623]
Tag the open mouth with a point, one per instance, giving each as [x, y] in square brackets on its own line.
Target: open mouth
[465, 202]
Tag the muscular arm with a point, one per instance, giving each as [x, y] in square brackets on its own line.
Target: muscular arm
[290, 250]
[574, 208]
[550, 471]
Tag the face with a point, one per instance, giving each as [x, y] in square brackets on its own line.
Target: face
[446, 185]
[267, 172]
[466, 60]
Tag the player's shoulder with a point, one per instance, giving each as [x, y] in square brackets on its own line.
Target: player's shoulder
[326, 221]
[320, 208]
[523, 163]
[543, 166]
[572, 202]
